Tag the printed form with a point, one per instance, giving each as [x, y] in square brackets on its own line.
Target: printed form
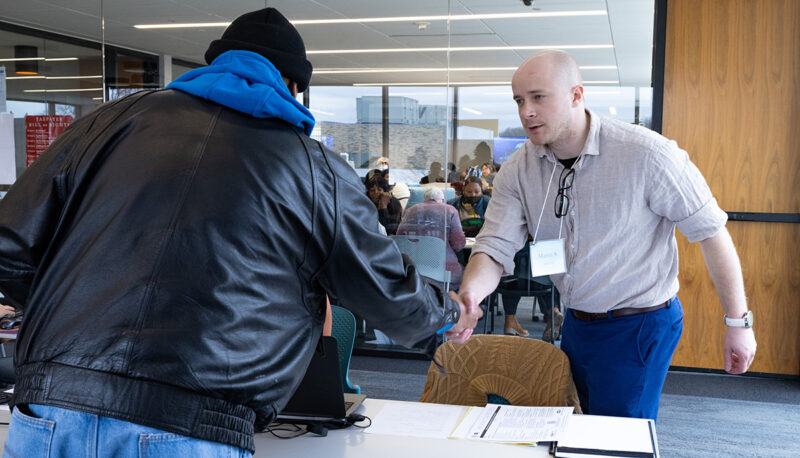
[513, 424]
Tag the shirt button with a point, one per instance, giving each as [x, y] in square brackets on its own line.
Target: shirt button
[572, 212]
[572, 246]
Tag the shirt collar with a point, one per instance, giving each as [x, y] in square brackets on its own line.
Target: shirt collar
[590, 148]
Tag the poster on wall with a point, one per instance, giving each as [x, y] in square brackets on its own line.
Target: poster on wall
[8, 163]
[3, 107]
[40, 131]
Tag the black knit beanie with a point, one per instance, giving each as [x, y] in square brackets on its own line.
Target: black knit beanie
[269, 33]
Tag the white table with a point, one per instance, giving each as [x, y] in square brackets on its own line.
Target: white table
[355, 443]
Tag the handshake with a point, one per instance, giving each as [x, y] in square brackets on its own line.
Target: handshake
[470, 314]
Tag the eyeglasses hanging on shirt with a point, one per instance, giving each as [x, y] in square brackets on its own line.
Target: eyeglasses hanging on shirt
[562, 199]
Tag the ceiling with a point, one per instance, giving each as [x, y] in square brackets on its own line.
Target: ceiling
[627, 27]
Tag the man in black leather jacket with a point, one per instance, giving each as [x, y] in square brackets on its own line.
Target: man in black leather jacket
[172, 252]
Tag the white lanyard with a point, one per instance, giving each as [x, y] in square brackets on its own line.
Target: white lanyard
[544, 203]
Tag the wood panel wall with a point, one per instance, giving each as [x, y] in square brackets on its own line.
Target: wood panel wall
[732, 100]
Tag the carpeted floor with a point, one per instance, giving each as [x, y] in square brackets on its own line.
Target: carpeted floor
[708, 426]
[700, 416]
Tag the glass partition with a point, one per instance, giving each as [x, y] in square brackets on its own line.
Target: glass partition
[349, 123]
[420, 86]
[49, 82]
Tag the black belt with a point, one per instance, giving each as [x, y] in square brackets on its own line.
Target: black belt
[616, 313]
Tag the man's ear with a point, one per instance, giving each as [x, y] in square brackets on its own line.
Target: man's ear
[291, 85]
[577, 95]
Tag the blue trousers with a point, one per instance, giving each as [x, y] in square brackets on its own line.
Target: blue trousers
[619, 364]
[37, 430]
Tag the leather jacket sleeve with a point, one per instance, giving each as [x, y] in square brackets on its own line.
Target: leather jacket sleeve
[367, 274]
[29, 213]
[32, 211]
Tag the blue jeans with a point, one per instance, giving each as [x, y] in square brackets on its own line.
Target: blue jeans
[46, 431]
[619, 364]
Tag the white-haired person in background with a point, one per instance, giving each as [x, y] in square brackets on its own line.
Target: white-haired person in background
[435, 218]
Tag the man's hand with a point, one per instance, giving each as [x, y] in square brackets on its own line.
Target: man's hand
[740, 349]
[461, 331]
[6, 310]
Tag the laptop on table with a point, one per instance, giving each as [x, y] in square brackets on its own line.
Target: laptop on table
[320, 398]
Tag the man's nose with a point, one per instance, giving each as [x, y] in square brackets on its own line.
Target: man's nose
[528, 111]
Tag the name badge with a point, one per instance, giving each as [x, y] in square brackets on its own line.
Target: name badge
[547, 257]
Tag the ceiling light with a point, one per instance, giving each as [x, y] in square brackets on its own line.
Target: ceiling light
[22, 59]
[63, 90]
[466, 48]
[335, 71]
[325, 113]
[466, 83]
[590, 91]
[28, 64]
[79, 77]
[42, 77]
[452, 83]
[331, 71]
[182, 25]
[455, 17]
[470, 110]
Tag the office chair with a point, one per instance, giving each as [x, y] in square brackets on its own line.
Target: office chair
[501, 369]
[427, 254]
[344, 331]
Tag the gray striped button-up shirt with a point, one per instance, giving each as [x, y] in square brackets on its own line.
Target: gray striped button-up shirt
[631, 188]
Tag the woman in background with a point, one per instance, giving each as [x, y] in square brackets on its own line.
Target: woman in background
[434, 218]
[389, 209]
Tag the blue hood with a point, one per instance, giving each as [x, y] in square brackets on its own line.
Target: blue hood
[246, 82]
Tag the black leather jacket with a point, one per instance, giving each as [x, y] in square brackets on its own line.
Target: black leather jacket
[172, 257]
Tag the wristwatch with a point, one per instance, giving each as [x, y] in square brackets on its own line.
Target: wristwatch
[744, 322]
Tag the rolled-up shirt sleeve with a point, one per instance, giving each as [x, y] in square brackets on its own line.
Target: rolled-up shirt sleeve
[505, 230]
[680, 193]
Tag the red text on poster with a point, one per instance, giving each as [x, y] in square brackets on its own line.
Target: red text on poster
[40, 131]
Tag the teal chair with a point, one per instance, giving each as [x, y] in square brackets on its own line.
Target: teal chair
[344, 331]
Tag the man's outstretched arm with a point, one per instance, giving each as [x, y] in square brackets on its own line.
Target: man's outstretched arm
[723, 265]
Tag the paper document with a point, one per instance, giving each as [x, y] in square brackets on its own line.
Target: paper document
[594, 435]
[416, 419]
[513, 424]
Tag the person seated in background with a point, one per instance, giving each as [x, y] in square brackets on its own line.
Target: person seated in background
[477, 172]
[389, 209]
[434, 218]
[488, 173]
[398, 190]
[434, 174]
[452, 175]
[471, 206]
[512, 326]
